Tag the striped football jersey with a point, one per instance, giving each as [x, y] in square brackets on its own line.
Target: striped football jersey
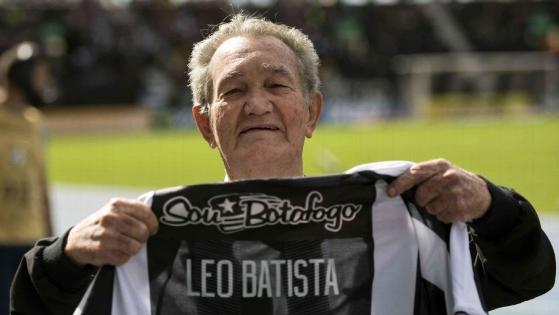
[314, 245]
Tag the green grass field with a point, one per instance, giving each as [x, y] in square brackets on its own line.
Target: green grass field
[519, 154]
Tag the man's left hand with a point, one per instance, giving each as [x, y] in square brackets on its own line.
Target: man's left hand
[450, 193]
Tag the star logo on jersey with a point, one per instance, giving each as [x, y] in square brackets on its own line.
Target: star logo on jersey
[232, 213]
[227, 206]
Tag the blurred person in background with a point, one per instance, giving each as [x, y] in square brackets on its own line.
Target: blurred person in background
[256, 100]
[24, 204]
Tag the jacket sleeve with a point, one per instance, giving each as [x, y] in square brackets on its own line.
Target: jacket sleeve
[47, 282]
[513, 258]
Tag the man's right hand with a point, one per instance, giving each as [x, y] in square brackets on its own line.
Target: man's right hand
[111, 235]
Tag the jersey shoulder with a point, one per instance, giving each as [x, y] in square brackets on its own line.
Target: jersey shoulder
[391, 168]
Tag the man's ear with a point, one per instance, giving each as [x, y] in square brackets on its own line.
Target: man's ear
[204, 125]
[314, 110]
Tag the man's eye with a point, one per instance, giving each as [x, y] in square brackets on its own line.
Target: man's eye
[232, 92]
[278, 86]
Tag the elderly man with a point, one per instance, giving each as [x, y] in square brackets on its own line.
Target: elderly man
[256, 99]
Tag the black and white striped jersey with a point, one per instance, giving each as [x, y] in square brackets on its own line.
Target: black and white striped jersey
[315, 245]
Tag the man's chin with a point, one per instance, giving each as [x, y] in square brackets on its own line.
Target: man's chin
[264, 152]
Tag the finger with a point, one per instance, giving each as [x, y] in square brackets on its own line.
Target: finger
[450, 216]
[132, 227]
[115, 258]
[437, 205]
[113, 240]
[114, 248]
[121, 222]
[416, 175]
[128, 245]
[446, 217]
[429, 190]
[138, 210]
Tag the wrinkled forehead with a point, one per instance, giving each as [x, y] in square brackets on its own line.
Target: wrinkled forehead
[267, 52]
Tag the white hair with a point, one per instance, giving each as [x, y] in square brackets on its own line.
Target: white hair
[242, 24]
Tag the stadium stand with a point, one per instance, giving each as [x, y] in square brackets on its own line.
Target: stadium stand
[135, 52]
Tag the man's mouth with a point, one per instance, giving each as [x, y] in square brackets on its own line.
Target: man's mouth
[258, 128]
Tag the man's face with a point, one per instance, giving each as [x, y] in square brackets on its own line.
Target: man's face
[258, 114]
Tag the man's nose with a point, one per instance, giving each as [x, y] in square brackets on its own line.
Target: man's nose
[258, 103]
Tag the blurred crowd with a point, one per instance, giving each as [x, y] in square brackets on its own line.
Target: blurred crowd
[137, 54]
